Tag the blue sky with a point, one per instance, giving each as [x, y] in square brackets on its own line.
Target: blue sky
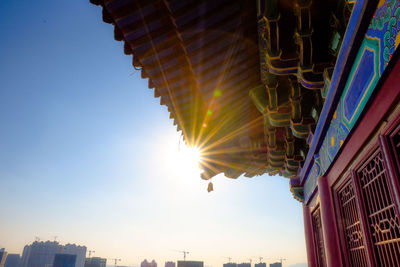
[89, 155]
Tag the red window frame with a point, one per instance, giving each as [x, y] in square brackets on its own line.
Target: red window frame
[318, 236]
[351, 232]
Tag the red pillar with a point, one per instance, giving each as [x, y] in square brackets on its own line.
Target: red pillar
[308, 233]
[331, 242]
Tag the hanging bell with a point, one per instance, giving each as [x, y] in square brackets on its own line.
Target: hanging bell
[210, 187]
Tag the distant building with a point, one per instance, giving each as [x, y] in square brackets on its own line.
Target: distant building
[12, 260]
[190, 264]
[170, 264]
[64, 260]
[230, 264]
[145, 263]
[95, 262]
[260, 264]
[244, 264]
[276, 264]
[79, 251]
[41, 254]
[3, 256]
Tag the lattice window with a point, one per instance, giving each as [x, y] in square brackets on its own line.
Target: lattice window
[380, 211]
[351, 225]
[318, 236]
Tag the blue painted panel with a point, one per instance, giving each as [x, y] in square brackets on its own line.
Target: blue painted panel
[359, 82]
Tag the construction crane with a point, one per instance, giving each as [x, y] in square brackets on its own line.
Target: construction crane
[250, 260]
[258, 257]
[279, 259]
[115, 261]
[55, 238]
[37, 239]
[184, 253]
[90, 252]
[229, 259]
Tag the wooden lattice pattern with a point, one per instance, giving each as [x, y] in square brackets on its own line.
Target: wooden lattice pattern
[380, 211]
[318, 237]
[351, 225]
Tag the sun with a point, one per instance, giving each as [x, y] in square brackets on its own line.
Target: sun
[178, 170]
[191, 153]
[189, 158]
[178, 163]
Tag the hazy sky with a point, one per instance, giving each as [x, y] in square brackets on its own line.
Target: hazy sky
[88, 154]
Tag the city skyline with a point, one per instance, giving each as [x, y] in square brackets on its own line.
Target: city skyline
[55, 247]
[89, 155]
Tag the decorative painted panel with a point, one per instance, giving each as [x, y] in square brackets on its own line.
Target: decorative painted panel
[380, 210]
[362, 80]
[333, 141]
[380, 41]
[318, 237]
[351, 225]
[377, 48]
[311, 183]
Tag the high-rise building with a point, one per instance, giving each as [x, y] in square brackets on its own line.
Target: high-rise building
[95, 262]
[64, 260]
[230, 264]
[41, 254]
[146, 263]
[3, 256]
[244, 264]
[79, 251]
[260, 264]
[170, 264]
[190, 264]
[276, 264]
[12, 260]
